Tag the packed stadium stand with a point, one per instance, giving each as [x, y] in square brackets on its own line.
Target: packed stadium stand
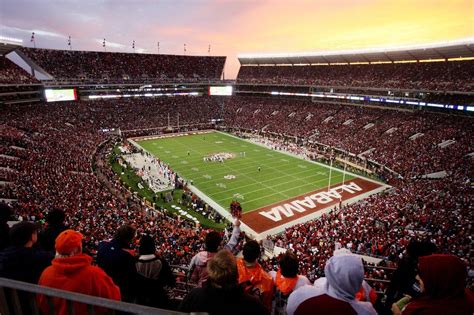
[409, 69]
[10, 73]
[57, 156]
[111, 66]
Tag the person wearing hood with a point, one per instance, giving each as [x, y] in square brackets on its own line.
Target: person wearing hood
[198, 265]
[71, 270]
[334, 294]
[442, 281]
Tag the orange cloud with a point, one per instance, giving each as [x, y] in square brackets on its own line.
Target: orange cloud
[330, 25]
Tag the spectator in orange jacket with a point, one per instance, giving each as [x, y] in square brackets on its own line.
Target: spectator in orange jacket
[71, 270]
[286, 280]
[252, 278]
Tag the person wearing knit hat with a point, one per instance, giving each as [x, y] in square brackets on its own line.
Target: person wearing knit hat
[71, 270]
[68, 243]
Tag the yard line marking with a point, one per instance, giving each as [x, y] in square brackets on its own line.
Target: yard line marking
[266, 196]
[250, 178]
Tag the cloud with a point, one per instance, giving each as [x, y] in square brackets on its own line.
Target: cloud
[110, 44]
[18, 30]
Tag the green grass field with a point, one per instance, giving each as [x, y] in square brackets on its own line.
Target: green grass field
[280, 178]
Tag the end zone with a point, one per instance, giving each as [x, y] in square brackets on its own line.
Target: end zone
[274, 218]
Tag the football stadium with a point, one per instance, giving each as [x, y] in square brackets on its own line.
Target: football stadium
[135, 180]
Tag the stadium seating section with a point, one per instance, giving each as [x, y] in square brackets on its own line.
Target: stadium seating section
[10, 73]
[52, 146]
[112, 66]
[55, 155]
[436, 76]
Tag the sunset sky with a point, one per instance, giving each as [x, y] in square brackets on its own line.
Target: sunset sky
[235, 26]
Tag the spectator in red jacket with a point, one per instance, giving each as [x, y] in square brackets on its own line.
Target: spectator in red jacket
[71, 270]
[442, 281]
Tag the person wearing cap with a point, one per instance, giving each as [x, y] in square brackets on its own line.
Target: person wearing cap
[71, 270]
[21, 260]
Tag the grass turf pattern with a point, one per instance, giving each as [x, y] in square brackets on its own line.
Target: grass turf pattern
[280, 177]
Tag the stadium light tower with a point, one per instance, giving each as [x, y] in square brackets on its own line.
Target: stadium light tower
[33, 39]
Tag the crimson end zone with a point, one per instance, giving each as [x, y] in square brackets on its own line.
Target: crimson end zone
[274, 218]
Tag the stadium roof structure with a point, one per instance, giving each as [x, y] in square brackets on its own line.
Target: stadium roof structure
[8, 44]
[446, 50]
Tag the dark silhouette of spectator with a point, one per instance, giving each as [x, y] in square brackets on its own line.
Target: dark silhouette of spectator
[335, 293]
[222, 294]
[21, 261]
[5, 215]
[403, 279]
[55, 225]
[442, 281]
[118, 261]
[157, 274]
[71, 270]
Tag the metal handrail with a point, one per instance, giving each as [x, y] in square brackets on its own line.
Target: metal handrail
[90, 301]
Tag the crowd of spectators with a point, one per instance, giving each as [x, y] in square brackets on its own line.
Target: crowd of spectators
[433, 76]
[380, 135]
[114, 66]
[52, 146]
[10, 73]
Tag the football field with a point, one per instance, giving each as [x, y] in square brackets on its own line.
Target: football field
[280, 177]
[274, 188]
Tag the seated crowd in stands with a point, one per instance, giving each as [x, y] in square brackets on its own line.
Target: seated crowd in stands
[47, 152]
[114, 66]
[434, 76]
[10, 73]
